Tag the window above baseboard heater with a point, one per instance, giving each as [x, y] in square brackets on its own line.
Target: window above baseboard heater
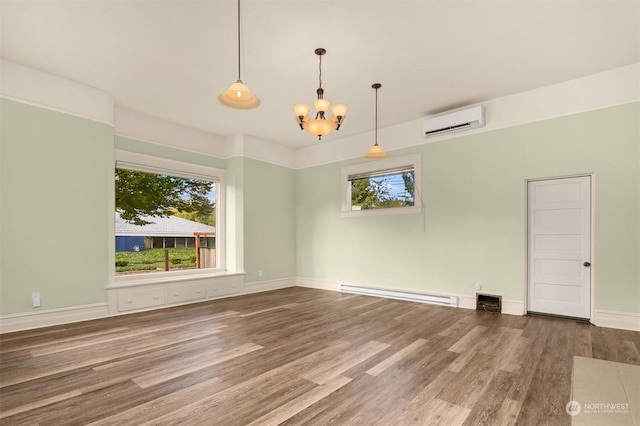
[402, 295]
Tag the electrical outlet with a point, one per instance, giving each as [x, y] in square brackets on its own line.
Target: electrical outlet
[478, 285]
[260, 273]
[35, 300]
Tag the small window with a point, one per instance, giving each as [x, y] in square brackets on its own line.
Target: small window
[168, 216]
[383, 187]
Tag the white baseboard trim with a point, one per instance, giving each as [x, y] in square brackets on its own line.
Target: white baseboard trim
[259, 286]
[466, 302]
[513, 307]
[616, 319]
[49, 317]
[317, 283]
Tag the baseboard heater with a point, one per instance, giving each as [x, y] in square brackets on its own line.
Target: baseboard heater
[402, 295]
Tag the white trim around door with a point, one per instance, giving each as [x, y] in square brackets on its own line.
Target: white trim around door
[560, 246]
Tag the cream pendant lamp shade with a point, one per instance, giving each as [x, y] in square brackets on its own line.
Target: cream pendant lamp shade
[376, 151]
[320, 127]
[238, 94]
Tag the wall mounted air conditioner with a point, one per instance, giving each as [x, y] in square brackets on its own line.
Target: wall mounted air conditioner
[456, 121]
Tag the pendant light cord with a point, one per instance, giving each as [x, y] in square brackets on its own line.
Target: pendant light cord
[320, 72]
[239, 40]
[376, 116]
[320, 51]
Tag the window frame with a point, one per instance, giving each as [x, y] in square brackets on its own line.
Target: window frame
[159, 165]
[373, 167]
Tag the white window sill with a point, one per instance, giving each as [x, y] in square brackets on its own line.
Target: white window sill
[124, 281]
[382, 212]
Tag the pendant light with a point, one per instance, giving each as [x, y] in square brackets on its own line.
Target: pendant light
[238, 94]
[321, 125]
[376, 150]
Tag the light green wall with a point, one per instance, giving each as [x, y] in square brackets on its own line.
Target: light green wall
[56, 217]
[269, 221]
[474, 221]
[56, 211]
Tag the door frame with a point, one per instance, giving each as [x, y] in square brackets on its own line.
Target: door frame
[592, 282]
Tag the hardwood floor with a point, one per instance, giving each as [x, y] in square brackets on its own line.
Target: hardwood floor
[301, 356]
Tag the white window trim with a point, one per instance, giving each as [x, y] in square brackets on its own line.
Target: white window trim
[151, 164]
[414, 160]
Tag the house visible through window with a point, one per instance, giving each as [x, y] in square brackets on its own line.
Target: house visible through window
[167, 219]
[384, 187]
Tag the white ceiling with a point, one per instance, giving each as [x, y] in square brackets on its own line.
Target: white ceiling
[171, 59]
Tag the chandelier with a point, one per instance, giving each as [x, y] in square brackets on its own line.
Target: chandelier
[376, 150]
[238, 94]
[321, 125]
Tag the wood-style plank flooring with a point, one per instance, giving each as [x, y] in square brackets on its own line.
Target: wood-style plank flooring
[301, 356]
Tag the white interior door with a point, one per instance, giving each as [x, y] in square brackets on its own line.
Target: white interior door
[559, 240]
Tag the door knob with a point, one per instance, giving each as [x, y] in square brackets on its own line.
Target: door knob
[586, 264]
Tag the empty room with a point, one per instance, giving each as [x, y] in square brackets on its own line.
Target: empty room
[259, 212]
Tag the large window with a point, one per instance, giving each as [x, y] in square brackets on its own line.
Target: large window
[168, 216]
[382, 187]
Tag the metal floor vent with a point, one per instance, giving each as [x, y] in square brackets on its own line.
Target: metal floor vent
[402, 295]
[489, 303]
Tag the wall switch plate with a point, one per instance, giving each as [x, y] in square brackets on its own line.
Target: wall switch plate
[35, 300]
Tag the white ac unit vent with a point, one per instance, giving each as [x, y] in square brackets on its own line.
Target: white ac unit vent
[456, 121]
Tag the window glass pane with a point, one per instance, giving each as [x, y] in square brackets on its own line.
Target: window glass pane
[380, 191]
[164, 222]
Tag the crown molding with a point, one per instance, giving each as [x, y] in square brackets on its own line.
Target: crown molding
[38, 88]
[145, 128]
[27, 85]
[262, 150]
